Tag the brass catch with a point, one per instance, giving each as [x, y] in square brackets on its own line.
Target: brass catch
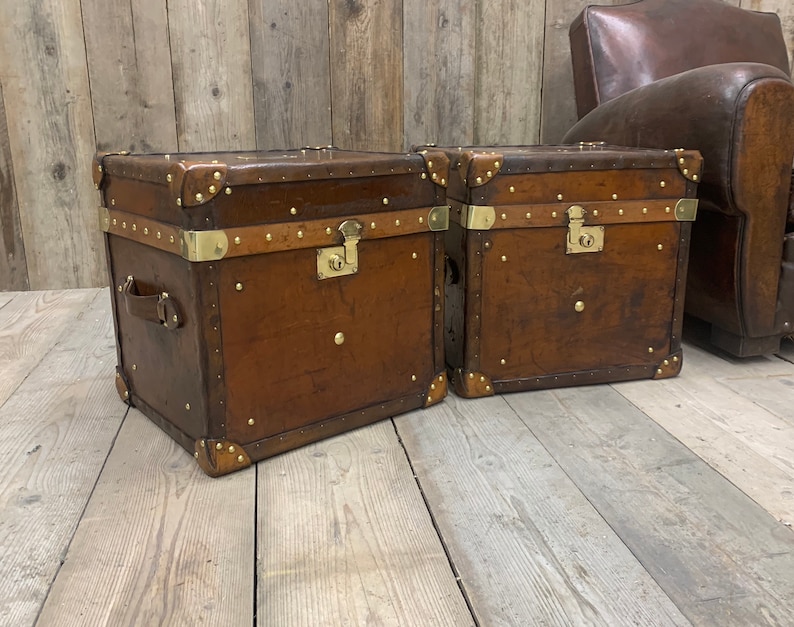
[340, 260]
[582, 239]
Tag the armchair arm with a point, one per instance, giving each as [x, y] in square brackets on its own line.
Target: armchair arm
[739, 116]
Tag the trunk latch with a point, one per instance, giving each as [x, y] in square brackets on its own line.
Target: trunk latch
[582, 239]
[340, 260]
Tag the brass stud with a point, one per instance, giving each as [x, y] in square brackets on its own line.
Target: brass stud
[496, 164]
[126, 394]
[686, 171]
[662, 184]
[385, 201]
[113, 201]
[203, 444]
[620, 212]
[504, 216]
[421, 220]
[434, 176]
[178, 202]
[216, 176]
[504, 258]
[578, 306]
[443, 181]
[115, 221]
[218, 446]
[396, 223]
[199, 197]
[187, 406]
[231, 449]
[171, 239]
[228, 191]
[424, 175]
[675, 359]
[441, 377]
[413, 377]
[238, 287]
[293, 210]
[99, 167]
[159, 235]
[328, 230]
[240, 459]
[339, 338]
[432, 386]
[667, 209]
[429, 399]
[145, 231]
[553, 214]
[479, 180]
[212, 189]
[659, 371]
[429, 163]
[175, 318]
[471, 375]
[134, 226]
[489, 174]
[595, 213]
[614, 196]
[250, 422]
[300, 234]
[645, 209]
[512, 189]
[487, 245]
[503, 362]
[528, 215]
[120, 288]
[694, 177]
[666, 362]
[195, 454]
[134, 366]
[269, 237]
[660, 247]
[650, 349]
[237, 240]
[169, 178]
[681, 160]
[482, 379]
[487, 388]
[414, 255]
[372, 225]
[559, 196]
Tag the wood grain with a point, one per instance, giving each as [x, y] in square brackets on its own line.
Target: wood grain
[30, 325]
[58, 428]
[13, 267]
[5, 298]
[291, 73]
[344, 538]
[720, 557]
[366, 45]
[439, 57]
[132, 90]
[508, 514]
[211, 66]
[160, 543]
[509, 69]
[51, 135]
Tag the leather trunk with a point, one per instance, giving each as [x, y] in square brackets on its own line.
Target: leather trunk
[566, 264]
[266, 300]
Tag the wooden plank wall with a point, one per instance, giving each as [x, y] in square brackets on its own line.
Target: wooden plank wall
[168, 75]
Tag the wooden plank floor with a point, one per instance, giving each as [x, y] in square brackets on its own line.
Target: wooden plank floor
[641, 503]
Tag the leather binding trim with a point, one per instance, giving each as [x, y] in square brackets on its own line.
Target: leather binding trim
[220, 457]
[437, 390]
[195, 183]
[437, 164]
[98, 169]
[479, 167]
[266, 238]
[690, 164]
[123, 386]
[472, 384]
[670, 366]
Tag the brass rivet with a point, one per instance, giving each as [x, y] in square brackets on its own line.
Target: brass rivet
[479, 180]
[120, 288]
[579, 306]
[503, 362]
[228, 191]
[396, 223]
[650, 349]
[134, 366]
[385, 201]
[662, 184]
[512, 189]
[413, 377]
[424, 175]
[645, 209]
[441, 377]
[443, 181]
[178, 202]
[231, 449]
[434, 176]
[159, 235]
[414, 255]
[195, 455]
[471, 375]
[268, 237]
[504, 258]
[429, 399]
[293, 210]
[553, 214]
[659, 371]
[199, 197]
[686, 171]
[487, 245]
[169, 178]
[681, 160]
[134, 226]
[123, 225]
[432, 386]
[250, 422]
[171, 239]
[216, 176]
[372, 225]
[238, 287]
[482, 379]
[489, 174]
[614, 196]
[203, 444]
[496, 164]
[559, 196]
[240, 459]
[146, 231]
[429, 164]
[212, 189]
[175, 318]
[620, 212]
[126, 394]
[218, 446]
[504, 216]
[666, 362]
[328, 230]
[187, 406]
[113, 201]
[694, 177]
[667, 209]
[300, 234]
[115, 221]
[595, 212]
[421, 220]
[528, 216]
[339, 338]
[675, 360]
[237, 240]
[487, 388]
[99, 167]
[659, 247]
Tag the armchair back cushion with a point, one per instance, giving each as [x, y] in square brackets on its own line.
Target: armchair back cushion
[643, 42]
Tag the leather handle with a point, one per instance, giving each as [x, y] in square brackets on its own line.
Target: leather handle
[158, 308]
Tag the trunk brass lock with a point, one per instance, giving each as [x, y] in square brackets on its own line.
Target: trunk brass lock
[340, 260]
[582, 239]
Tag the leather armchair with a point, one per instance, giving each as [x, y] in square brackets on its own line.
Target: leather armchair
[705, 75]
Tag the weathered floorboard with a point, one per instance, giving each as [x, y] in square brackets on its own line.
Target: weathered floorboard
[439, 54]
[160, 543]
[30, 325]
[5, 298]
[344, 538]
[509, 514]
[211, 66]
[57, 428]
[291, 73]
[366, 43]
[720, 557]
[13, 268]
[132, 90]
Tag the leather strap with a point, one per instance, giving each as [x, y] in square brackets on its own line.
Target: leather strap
[158, 308]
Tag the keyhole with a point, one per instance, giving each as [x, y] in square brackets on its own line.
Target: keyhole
[336, 262]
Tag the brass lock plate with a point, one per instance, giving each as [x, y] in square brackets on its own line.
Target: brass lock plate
[581, 238]
[331, 263]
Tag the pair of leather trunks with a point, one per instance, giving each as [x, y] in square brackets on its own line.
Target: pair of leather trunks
[267, 300]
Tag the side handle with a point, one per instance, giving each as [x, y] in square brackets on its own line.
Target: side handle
[158, 308]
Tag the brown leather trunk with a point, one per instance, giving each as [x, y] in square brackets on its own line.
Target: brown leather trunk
[266, 300]
[567, 265]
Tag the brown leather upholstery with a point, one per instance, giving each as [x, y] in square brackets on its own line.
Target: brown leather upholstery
[704, 75]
